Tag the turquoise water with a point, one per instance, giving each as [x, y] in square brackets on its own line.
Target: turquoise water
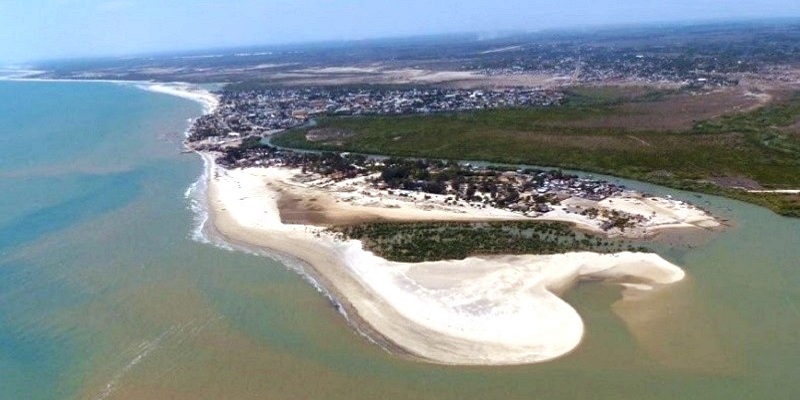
[104, 294]
[71, 155]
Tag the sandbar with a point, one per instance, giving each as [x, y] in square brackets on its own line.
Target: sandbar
[497, 310]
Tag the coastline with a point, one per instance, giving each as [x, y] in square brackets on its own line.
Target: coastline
[312, 199]
[499, 310]
[478, 311]
[183, 90]
[177, 89]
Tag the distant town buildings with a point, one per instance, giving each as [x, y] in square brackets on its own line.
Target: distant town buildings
[256, 112]
[604, 65]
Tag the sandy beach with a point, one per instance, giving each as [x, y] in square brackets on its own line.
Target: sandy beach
[779, 191]
[209, 101]
[497, 310]
[477, 311]
[310, 199]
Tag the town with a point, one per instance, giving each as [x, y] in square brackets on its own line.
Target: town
[577, 63]
[259, 111]
[527, 191]
[693, 57]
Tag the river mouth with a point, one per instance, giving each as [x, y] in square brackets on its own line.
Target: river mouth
[81, 303]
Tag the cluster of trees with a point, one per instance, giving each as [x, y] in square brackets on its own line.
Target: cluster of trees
[486, 185]
[464, 182]
[495, 186]
[252, 150]
[431, 241]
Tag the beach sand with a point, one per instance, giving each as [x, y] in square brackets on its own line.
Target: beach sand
[208, 100]
[308, 199]
[477, 311]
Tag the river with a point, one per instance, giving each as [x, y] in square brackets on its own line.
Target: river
[105, 294]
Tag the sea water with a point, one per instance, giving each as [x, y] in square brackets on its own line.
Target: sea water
[108, 290]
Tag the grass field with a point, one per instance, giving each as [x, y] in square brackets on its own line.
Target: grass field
[603, 130]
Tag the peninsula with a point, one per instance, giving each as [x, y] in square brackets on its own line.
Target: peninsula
[522, 236]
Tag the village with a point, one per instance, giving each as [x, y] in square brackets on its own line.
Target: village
[238, 134]
[437, 184]
[589, 66]
[258, 111]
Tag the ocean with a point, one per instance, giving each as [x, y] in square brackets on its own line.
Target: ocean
[109, 291]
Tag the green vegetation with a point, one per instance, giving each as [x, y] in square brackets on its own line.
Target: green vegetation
[757, 146]
[430, 241]
[593, 96]
[762, 126]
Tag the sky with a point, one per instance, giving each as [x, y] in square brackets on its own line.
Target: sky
[33, 30]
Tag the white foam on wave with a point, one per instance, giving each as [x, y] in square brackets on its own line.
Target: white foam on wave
[197, 197]
[140, 351]
[195, 194]
[173, 336]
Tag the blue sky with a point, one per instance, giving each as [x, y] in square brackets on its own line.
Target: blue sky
[43, 29]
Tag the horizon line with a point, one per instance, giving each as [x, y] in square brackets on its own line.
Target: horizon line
[494, 34]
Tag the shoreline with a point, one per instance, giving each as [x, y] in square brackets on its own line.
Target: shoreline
[530, 325]
[500, 310]
[184, 90]
[307, 197]
[209, 101]
[215, 230]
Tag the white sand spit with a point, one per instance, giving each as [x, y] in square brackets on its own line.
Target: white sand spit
[496, 310]
[209, 101]
[779, 191]
[477, 311]
[662, 213]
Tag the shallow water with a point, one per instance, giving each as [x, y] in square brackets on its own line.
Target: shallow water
[104, 294]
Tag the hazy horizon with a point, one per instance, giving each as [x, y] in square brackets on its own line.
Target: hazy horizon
[62, 29]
